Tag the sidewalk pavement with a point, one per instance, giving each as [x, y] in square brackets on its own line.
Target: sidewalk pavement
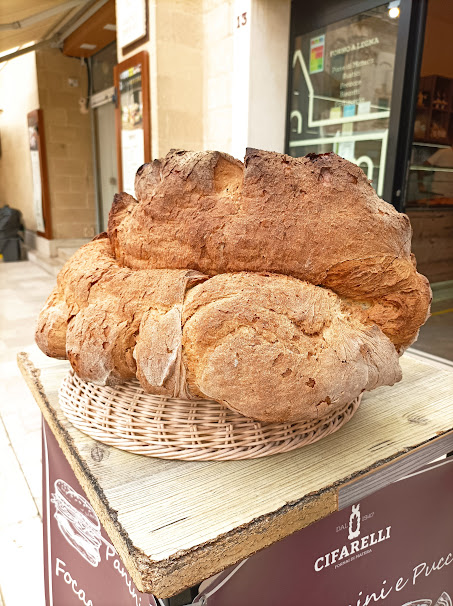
[24, 287]
[23, 290]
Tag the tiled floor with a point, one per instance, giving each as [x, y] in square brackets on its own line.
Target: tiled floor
[23, 289]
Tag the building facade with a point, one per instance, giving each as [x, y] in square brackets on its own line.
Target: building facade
[226, 75]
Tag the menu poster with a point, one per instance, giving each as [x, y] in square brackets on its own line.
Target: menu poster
[133, 157]
[133, 154]
[317, 46]
[394, 548]
[36, 177]
[36, 145]
[81, 566]
[349, 62]
[133, 137]
[131, 21]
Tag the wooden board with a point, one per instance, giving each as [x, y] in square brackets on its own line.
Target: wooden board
[176, 523]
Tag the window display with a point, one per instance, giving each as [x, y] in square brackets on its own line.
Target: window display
[341, 90]
[132, 118]
[431, 170]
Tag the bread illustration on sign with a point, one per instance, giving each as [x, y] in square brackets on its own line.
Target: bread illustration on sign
[281, 287]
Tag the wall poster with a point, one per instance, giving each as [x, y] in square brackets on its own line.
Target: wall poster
[133, 136]
[36, 142]
[131, 21]
[317, 54]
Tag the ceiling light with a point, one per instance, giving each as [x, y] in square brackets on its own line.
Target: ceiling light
[394, 9]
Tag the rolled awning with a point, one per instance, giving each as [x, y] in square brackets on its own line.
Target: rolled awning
[29, 24]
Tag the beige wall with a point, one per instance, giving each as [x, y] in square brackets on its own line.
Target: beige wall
[68, 143]
[18, 96]
[175, 51]
[214, 85]
[218, 64]
[260, 72]
[190, 49]
[179, 54]
[269, 46]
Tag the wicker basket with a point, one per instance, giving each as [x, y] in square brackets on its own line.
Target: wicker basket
[194, 430]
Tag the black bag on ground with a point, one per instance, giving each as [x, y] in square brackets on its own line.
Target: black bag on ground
[11, 233]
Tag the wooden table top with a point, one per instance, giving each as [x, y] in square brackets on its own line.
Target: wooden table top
[175, 523]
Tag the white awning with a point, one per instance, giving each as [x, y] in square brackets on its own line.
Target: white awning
[29, 24]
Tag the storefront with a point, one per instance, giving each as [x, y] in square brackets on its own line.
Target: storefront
[355, 89]
[369, 80]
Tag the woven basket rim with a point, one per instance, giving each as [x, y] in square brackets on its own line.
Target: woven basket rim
[128, 418]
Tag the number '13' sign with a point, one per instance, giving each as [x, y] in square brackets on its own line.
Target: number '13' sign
[241, 20]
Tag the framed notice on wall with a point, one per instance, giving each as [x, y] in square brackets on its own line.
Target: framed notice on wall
[132, 118]
[41, 203]
[131, 22]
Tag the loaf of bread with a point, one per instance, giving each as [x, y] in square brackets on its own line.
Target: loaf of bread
[98, 309]
[282, 287]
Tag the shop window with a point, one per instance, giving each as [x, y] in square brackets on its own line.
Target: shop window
[341, 89]
[431, 170]
[102, 64]
[429, 186]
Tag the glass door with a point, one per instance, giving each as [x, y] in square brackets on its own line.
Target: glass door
[102, 104]
[429, 187]
[346, 85]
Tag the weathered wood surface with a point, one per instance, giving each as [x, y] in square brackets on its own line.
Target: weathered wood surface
[175, 523]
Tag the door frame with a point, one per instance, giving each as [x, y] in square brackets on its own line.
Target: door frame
[140, 59]
[103, 97]
[409, 51]
[408, 54]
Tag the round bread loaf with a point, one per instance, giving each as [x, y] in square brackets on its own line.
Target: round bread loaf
[315, 218]
[282, 287]
[262, 345]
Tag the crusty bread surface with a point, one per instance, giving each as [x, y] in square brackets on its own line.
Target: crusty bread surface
[282, 287]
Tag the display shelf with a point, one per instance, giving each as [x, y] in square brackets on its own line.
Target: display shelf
[434, 109]
[175, 523]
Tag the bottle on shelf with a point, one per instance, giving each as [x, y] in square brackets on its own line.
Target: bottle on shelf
[437, 101]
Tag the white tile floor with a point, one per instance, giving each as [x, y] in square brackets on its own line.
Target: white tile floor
[23, 289]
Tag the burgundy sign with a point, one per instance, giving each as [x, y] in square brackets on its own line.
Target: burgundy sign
[81, 566]
[394, 548]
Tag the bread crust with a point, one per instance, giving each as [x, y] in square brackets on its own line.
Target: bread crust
[315, 218]
[105, 309]
[285, 333]
[282, 287]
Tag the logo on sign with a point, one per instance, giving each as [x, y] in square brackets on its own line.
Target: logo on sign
[354, 522]
[444, 600]
[77, 522]
[356, 547]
